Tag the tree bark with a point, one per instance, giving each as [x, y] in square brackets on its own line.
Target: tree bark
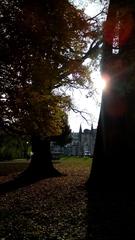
[111, 201]
[39, 168]
[41, 165]
[115, 142]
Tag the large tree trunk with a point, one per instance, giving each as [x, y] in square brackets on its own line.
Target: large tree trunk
[40, 166]
[115, 142]
[111, 182]
[41, 162]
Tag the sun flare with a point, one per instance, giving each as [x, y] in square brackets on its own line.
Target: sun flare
[103, 84]
[100, 82]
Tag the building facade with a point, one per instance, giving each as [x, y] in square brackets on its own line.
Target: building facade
[82, 144]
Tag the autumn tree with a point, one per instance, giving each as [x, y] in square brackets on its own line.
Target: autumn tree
[43, 46]
[65, 136]
[12, 147]
[112, 177]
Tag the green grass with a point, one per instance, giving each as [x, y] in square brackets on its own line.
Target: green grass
[73, 162]
[18, 165]
[12, 167]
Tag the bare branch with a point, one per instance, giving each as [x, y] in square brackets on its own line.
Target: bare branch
[101, 12]
[93, 49]
[75, 110]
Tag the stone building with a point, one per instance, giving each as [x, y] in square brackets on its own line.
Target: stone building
[82, 144]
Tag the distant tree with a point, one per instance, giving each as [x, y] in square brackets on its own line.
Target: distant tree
[43, 46]
[65, 136]
[11, 147]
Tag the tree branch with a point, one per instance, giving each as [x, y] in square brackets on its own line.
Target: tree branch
[93, 49]
[75, 110]
[102, 11]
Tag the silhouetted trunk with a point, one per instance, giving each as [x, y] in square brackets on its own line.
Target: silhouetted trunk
[40, 166]
[41, 161]
[113, 165]
[111, 210]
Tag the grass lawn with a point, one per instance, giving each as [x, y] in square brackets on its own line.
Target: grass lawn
[12, 167]
[51, 209]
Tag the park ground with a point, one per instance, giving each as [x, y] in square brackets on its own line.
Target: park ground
[50, 209]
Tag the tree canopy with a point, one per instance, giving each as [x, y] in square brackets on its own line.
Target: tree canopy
[42, 48]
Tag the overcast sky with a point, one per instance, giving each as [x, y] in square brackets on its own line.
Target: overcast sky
[80, 100]
[90, 105]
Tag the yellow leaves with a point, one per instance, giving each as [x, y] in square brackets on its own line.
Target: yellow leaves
[46, 50]
[46, 113]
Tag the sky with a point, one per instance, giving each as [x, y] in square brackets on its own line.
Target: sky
[79, 98]
[90, 106]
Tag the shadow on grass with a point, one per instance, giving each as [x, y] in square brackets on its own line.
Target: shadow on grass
[26, 178]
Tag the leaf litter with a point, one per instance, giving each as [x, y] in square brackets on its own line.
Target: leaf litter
[51, 209]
